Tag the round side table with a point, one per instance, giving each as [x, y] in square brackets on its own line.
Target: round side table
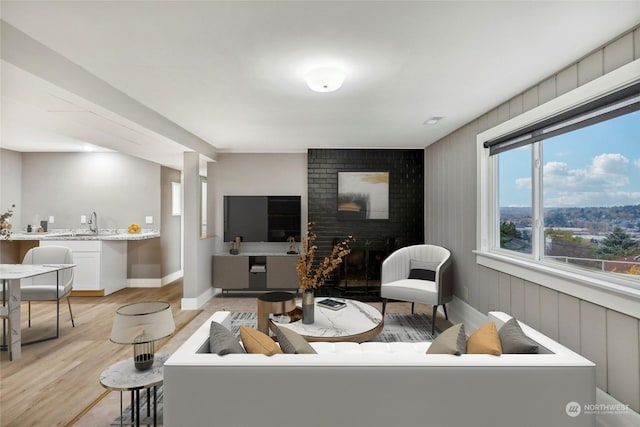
[276, 303]
[123, 376]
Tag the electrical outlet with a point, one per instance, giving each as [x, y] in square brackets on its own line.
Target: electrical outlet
[148, 220]
[465, 293]
[83, 219]
[51, 219]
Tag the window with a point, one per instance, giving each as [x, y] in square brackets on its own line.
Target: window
[563, 190]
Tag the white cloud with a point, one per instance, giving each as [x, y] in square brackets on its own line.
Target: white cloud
[599, 184]
[637, 163]
[523, 183]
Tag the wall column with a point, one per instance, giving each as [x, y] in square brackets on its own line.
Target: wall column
[191, 226]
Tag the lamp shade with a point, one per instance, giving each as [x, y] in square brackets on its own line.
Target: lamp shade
[142, 322]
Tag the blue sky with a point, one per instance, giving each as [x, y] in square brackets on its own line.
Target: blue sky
[595, 166]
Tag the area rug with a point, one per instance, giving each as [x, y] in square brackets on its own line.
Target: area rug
[398, 327]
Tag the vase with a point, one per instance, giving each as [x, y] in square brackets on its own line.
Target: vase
[308, 307]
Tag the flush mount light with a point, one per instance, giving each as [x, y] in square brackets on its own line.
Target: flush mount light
[433, 120]
[324, 79]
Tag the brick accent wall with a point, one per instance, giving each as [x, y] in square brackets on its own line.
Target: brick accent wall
[406, 195]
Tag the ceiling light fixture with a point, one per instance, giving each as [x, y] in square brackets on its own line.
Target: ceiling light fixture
[324, 79]
[433, 120]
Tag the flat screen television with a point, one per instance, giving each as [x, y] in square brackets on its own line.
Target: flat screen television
[262, 218]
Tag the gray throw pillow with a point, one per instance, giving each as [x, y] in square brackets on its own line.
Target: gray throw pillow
[292, 343]
[451, 341]
[222, 341]
[514, 340]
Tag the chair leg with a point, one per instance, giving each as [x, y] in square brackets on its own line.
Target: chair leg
[29, 313]
[71, 314]
[444, 307]
[413, 304]
[384, 306]
[433, 320]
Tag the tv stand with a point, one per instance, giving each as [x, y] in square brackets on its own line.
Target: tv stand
[255, 272]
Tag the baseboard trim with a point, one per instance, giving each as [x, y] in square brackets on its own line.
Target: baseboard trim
[461, 312]
[154, 283]
[616, 417]
[201, 300]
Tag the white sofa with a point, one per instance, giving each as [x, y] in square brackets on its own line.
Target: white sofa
[375, 385]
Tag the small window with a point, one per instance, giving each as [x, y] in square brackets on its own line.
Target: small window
[176, 199]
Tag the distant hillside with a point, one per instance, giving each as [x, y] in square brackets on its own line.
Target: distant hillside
[598, 219]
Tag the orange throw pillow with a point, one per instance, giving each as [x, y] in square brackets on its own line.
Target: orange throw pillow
[485, 340]
[255, 341]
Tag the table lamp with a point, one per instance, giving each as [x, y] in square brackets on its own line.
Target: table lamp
[141, 324]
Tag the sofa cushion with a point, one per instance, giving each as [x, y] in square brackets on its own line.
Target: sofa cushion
[222, 341]
[451, 341]
[292, 342]
[255, 341]
[485, 340]
[514, 340]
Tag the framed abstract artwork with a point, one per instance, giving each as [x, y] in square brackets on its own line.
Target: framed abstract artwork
[363, 195]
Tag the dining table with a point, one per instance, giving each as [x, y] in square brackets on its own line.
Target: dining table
[11, 275]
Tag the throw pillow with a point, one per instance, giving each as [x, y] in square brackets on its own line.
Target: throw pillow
[292, 342]
[419, 273]
[485, 340]
[257, 342]
[514, 340]
[451, 341]
[222, 341]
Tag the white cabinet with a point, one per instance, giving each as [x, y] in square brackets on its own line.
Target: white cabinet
[101, 265]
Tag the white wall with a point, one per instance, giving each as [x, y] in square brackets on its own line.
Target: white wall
[11, 185]
[120, 188]
[257, 175]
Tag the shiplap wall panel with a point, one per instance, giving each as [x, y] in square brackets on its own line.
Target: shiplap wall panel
[567, 80]
[530, 99]
[593, 339]
[483, 290]
[622, 357]
[569, 321]
[590, 68]
[549, 319]
[517, 297]
[505, 292]
[493, 281]
[547, 90]
[532, 305]
[559, 314]
[618, 53]
[516, 106]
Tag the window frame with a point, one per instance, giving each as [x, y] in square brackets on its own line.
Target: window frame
[605, 289]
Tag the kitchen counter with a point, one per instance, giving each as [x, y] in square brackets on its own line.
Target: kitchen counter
[84, 234]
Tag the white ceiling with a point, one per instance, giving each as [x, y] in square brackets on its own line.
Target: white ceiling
[231, 72]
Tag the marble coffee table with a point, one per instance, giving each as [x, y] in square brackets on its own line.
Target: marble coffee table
[357, 322]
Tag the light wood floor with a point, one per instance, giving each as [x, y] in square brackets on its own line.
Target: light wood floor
[55, 383]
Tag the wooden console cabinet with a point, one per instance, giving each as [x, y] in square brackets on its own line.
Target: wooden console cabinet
[234, 272]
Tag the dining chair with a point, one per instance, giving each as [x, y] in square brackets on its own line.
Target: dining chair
[51, 286]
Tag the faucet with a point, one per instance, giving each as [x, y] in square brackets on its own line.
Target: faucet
[93, 222]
